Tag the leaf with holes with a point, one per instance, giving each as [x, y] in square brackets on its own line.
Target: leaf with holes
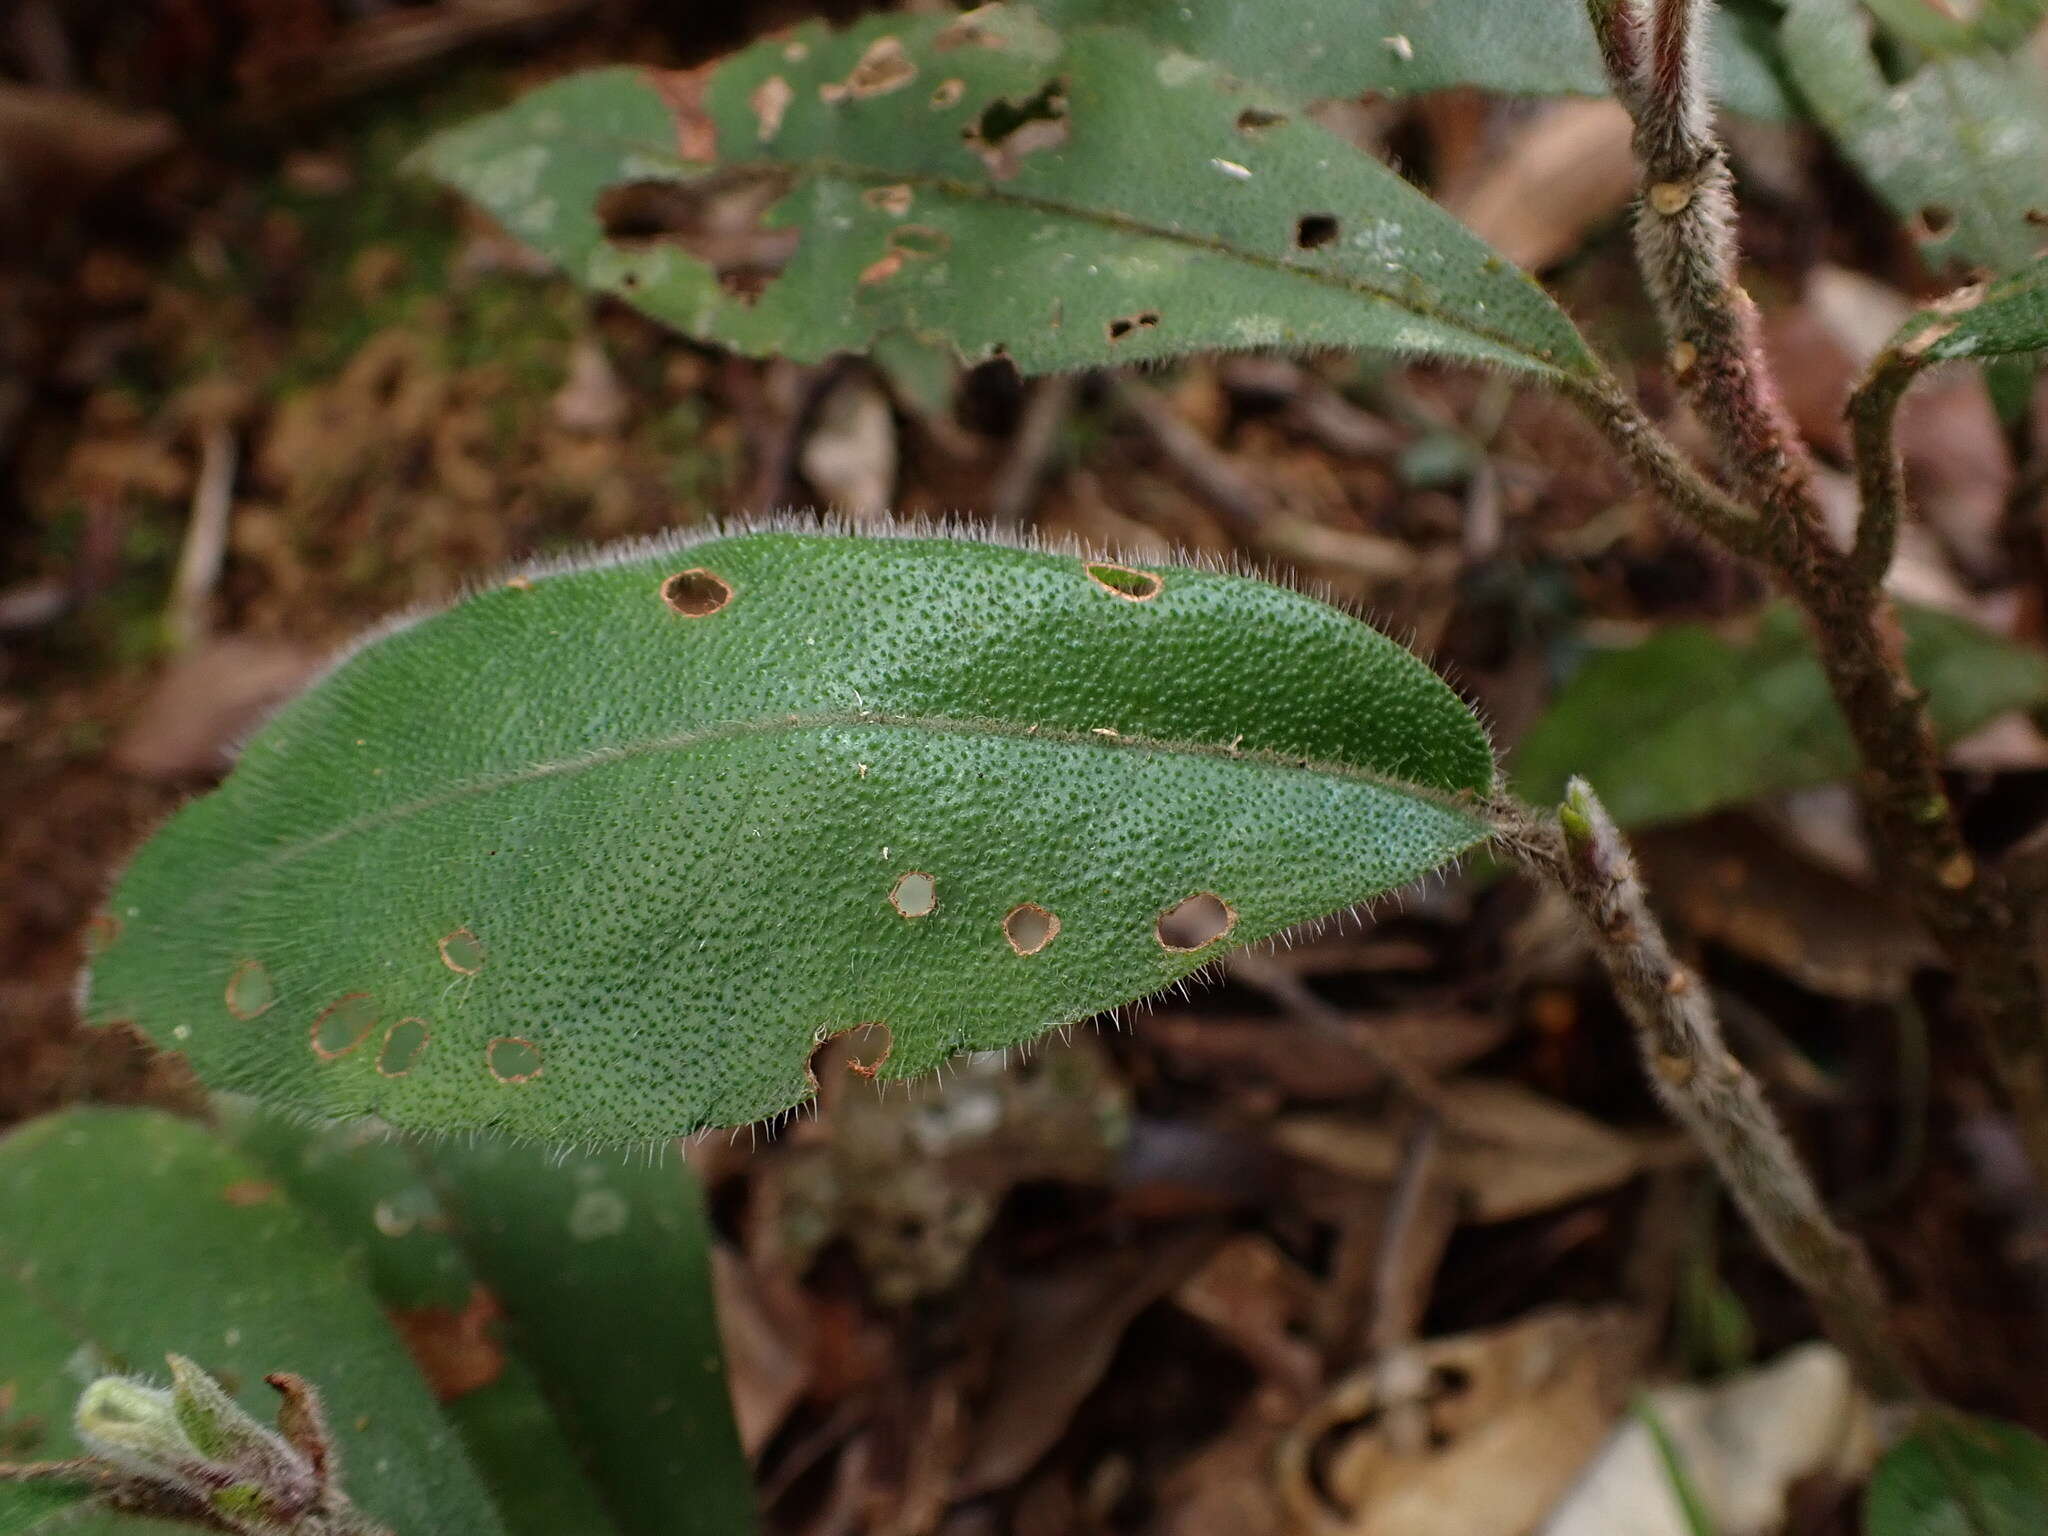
[520, 1280]
[1959, 149]
[606, 853]
[2000, 319]
[988, 184]
[1336, 49]
[126, 1235]
[1689, 721]
[1958, 1475]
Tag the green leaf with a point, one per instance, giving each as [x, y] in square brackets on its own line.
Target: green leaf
[605, 854]
[1997, 320]
[365, 1190]
[1960, 1476]
[1310, 49]
[44, 1509]
[990, 185]
[603, 1266]
[126, 1235]
[1689, 721]
[1959, 150]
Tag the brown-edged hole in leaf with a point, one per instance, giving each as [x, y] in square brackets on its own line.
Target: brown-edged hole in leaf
[1195, 923]
[858, 1050]
[1143, 320]
[1006, 131]
[696, 593]
[462, 952]
[343, 1025]
[250, 993]
[1312, 230]
[1133, 586]
[1030, 927]
[718, 219]
[1936, 221]
[513, 1059]
[1252, 119]
[402, 1045]
[919, 241]
[916, 894]
[948, 93]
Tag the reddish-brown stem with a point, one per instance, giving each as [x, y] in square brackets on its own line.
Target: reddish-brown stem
[1582, 855]
[1685, 244]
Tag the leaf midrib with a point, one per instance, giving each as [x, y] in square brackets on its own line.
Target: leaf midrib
[798, 723]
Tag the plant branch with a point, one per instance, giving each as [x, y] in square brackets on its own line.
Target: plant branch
[1685, 245]
[1581, 854]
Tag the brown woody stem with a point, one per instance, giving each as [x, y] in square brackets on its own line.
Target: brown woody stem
[1685, 245]
[1709, 1092]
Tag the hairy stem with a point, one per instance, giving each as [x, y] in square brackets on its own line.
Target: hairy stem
[1710, 1093]
[1685, 244]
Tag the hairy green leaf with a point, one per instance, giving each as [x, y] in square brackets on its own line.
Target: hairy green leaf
[374, 1201]
[603, 1266]
[1959, 150]
[1958, 1475]
[1690, 721]
[126, 1235]
[606, 853]
[988, 184]
[47, 1509]
[1312, 49]
[2000, 319]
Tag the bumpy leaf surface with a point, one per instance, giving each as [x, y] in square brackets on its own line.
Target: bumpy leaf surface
[1960, 1475]
[1690, 721]
[128, 1234]
[1959, 149]
[986, 183]
[1313, 49]
[2002, 319]
[604, 854]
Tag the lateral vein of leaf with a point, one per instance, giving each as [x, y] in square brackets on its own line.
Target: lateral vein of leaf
[786, 724]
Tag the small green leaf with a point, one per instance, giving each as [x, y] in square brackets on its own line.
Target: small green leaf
[1689, 721]
[364, 1188]
[1312, 49]
[1959, 150]
[129, 1235]
[603, 1266]
[985, 183]
[1958, 1475]
[45, 1509]
[2002, 318]
[604, 855]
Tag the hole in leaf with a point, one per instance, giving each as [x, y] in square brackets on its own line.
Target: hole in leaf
[718, 219]
[695, 593]
[1252, 119]
[1029, 928]
[1195, 923]
[1122, 581]
[948, 94]
[513, 1060]
[1936, 221]
[860, 1049]
[916, 894]
[1315, 229]
[403, 1043]
[1144, 320]
[1006, 131]
[885, 67]
[462, 951]
[343, 1025]
[250, 990]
